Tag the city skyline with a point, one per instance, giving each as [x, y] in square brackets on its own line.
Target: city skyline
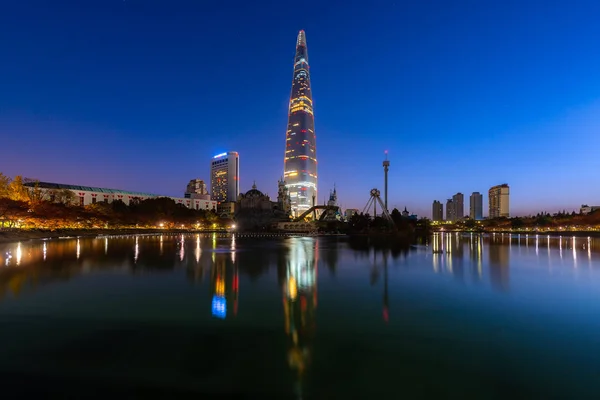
[139, 109]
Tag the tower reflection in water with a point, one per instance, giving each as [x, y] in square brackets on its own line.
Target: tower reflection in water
[224, 284]
[499, 255]
[300, 303]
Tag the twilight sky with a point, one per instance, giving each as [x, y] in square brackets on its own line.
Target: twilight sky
[140, 94]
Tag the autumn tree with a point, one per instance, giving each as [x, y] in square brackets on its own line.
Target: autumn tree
[4, 184]
[11, 211]
[34, 193]
[63, 196]
[17, 191]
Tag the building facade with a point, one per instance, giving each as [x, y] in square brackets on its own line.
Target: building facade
[437, 212]
[350, 212]
[585, 209]
[196, 189]
[300, 162]
[499, 197]
[85, 195]
[458, 200]
[476, 206]
[450, 210]
[225, 177]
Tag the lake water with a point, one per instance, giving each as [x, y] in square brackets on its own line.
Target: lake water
[496, 316]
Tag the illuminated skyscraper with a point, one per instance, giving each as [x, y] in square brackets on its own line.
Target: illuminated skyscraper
[225, 177]
[300, 165]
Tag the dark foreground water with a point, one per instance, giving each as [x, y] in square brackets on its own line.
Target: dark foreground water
[208, 316]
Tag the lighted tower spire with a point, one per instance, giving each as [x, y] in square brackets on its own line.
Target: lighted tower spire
[300, 165]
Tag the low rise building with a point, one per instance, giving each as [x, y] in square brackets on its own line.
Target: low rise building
[226, 209]
[350, 212]
[585, 209]
[85, 195]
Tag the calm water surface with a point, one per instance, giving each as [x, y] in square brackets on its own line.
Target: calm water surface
[170, 315]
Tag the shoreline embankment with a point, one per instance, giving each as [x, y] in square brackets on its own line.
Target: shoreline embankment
[18, 235]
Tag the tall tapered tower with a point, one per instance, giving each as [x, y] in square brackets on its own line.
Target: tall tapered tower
[300, 165]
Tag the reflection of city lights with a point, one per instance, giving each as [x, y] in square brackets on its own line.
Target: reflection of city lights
[233, 248]
[574, 253]
[589, 248]
[78, 249]
[44, 251]
[197, 251]
[19, 253]
[302, 265]
[137, 250]
[559, 245]
[105, 246]
[292, 288]
[219, 307]
[479, 257]
[220, 286]
[214, 240]
[182, 250]
[161, 245]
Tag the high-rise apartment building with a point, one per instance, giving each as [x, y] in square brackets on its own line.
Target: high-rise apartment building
[499, 201]
[450, 210]
[476, 206]
[437, 212]
[458, 200]
[225, 176]
[300, 165]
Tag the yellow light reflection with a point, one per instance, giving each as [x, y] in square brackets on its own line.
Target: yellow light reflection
[198, 251]
[78, 249]
[19, 254]
[292, 288]
[220, 286]
[105, 246]
[479, 257]
[136, 253]
[44, 251]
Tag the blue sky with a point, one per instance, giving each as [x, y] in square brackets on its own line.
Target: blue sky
[140, 94]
